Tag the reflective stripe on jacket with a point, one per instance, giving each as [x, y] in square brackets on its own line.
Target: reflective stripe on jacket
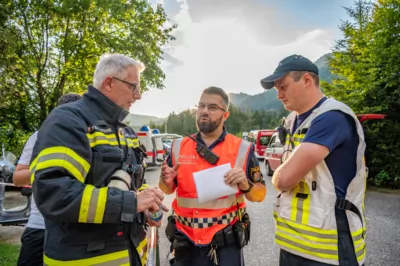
[79, 146]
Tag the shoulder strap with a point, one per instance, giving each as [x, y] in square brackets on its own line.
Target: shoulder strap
[241, 157]
[176, 147]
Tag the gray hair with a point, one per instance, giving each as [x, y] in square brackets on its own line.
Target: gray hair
[114, 65]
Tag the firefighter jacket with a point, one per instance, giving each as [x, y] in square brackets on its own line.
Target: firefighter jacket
[305, 216]
[200, 222]
[79, 146]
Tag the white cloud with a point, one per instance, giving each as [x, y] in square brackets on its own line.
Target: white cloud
[222, 53]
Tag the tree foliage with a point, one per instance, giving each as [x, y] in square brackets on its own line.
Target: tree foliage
[366, 65]
[48, 48]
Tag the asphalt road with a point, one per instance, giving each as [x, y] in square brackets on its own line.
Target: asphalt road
[383, 228]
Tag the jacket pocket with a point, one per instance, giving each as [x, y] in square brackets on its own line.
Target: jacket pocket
[297, 206]
[103, 165]
[94, 234]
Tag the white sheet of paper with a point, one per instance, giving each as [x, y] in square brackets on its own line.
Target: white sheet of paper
[210, 184]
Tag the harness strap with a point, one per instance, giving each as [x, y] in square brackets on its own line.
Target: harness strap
[344, 204]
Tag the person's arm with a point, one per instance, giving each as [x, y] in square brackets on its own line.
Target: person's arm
[61, 162]
[22, 174]
[325, 133]
[254, 175]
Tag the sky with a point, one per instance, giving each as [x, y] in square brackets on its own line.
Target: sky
[233, 44]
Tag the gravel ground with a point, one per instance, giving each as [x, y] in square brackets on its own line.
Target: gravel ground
[383, 227]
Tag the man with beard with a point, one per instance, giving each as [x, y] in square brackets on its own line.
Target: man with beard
[214, 232]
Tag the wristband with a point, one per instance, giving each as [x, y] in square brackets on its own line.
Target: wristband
[249, 189]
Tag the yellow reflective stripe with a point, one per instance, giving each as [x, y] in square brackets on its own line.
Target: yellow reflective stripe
[85, 202]
[116, 258]
[129, 143]
[101, 205]
[99, 138]
[310, 236]
[306, 205]
[122, 139]
[300, 240]
[293, 212]
[63, 157]
[300, 206]
[135, 143]
[214, 204]
[317, 252]
[296, 138]
[306, 239]
[32, 169]
[358, 236]
[143, 187]
[305, 227]
[360, 252]
[142, 251]
[93, 204]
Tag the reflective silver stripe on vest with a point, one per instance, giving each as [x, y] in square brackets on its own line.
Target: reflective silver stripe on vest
[242, 154]
[224, 203]
[176, 147]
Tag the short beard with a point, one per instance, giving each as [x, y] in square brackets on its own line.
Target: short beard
[208, 127]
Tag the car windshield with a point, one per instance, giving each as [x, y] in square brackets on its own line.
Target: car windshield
[168, 141]
[264, 140]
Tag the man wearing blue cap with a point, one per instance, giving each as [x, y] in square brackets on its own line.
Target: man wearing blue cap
[319, 212]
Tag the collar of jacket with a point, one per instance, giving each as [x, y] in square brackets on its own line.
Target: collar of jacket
[104, 107]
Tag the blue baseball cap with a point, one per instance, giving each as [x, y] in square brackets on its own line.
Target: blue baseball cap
[291, 63]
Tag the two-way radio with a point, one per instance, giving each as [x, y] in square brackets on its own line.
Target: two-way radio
[204, 152]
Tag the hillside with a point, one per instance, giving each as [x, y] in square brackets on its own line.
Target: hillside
[137, 121]
[267, 99]
[323, 68]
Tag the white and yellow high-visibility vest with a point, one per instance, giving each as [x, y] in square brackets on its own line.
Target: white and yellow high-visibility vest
[305, 216]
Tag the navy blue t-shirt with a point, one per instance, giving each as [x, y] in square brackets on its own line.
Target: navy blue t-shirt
[336, 131]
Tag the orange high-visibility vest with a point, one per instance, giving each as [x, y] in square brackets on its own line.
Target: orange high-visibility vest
[200, 222]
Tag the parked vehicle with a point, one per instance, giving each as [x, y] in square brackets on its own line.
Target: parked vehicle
[274, 150]
[273, 154]
[261, 138]
[152, 140]
[167, 149]
[18, 216]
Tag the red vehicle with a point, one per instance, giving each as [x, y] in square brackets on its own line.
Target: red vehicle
[274, 150]
[261, 139]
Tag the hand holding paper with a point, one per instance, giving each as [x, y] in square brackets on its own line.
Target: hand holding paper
[210, 183]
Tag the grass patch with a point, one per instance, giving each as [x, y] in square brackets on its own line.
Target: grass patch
[384, 190]
[9, 254]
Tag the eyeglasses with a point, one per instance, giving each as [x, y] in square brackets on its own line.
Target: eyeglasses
[134, 87]
[210, 107]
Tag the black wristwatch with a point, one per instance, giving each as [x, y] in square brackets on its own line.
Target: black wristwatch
[251, 184]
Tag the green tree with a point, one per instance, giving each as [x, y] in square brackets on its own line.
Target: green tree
[52, 48]
[366, 68]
